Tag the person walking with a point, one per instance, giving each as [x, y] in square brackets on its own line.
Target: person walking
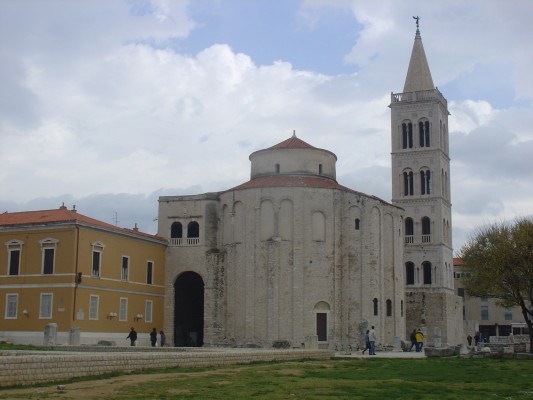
[419, 340]
[413, 340]
[163, 338]
[469, 339]
[132, 337]
[367, 342]
[153, 337]
[372, 340]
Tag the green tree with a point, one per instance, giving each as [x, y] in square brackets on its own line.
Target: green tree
[499, 259]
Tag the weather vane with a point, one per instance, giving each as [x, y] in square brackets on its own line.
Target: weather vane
[417, 18]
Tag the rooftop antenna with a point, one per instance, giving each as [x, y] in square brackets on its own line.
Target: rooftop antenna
[116, 219]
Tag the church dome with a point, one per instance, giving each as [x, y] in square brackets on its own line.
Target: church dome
[293, 157]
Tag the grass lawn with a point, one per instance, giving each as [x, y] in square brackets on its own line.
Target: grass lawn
[432, 378]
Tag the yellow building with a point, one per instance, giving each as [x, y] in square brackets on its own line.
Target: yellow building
[90, 280]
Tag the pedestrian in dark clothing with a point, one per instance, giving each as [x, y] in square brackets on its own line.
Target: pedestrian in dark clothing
[153, 337]
[367, 342]
[413, 340]
[163, 338]
[476, 338]
[469, 340]
[132, 337]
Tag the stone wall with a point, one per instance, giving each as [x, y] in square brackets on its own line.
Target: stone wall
[28, 368]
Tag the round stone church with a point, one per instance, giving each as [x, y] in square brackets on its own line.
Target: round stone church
[289, 258]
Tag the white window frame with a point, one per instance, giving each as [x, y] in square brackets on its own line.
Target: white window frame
[150, 262]
[48, 244]
[148, 310]
[13, 245]
[94, 303]
[123, 309]
[43, 309]
[97, 247]
[8, 314]
[124, 272]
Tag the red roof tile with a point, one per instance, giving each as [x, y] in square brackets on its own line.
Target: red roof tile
[61, 215]
[291, 181]
[293, 143]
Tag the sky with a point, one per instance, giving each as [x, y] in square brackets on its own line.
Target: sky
[105, 105]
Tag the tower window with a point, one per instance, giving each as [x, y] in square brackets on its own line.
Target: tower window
[407, 135]
[423, 128]
[389, 308]
[409, 230]
[357, 224]
[425, 177]
[408, 183]
[319, 169]
[277, 169]
[375, 301]
[426, 230]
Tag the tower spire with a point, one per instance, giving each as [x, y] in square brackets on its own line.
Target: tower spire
[418, 74]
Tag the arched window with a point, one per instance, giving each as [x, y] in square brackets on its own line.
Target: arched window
[426, 266]
[375, 301]
[357, 224]
[176, 230]
[409, 230]
[423, 129]
[425, 176]
[426, 230]
[409, 273]
[193, 230]
[389, 308]
[407, 135]
[408, 183]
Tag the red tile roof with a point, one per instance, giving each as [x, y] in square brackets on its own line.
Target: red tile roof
[297, 181]
[291, 181]
[61, 215]
[293, 143]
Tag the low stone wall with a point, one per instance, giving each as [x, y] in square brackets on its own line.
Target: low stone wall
[27, 368]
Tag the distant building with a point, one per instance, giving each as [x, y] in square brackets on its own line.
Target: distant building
[92, 279]
[482, 314]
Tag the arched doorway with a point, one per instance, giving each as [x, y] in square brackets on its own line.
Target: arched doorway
[189, 310]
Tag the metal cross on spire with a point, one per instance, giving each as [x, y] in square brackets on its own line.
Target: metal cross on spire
[417, 18]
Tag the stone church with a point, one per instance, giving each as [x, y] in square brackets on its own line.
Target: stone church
[292, 257]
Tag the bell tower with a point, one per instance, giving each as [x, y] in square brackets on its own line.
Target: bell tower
[421, 186]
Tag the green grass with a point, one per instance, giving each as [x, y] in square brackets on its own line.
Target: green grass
[432, 378]
[450, 378]
[10, 346]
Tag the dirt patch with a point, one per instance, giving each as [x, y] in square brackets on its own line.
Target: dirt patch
[109, 387]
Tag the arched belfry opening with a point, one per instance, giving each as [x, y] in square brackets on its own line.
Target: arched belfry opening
[189, 310]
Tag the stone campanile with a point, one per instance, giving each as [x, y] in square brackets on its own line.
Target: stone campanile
[421, 186]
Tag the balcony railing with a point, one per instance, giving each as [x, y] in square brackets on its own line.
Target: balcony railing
[409, 239]
[426, 238]
[418, 96]
[184, 241]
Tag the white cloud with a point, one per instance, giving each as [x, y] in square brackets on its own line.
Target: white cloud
[99, 108]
